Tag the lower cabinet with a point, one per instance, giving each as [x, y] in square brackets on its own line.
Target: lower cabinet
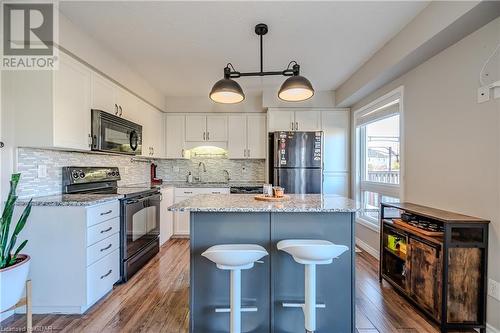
[166, 217]
[181, 219]
[75, 255]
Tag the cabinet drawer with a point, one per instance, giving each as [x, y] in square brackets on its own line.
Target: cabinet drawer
[101, 276]
[187, 192]
[102, 248]
[97, 214]
[102, 230]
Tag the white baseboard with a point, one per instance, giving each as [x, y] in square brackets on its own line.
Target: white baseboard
[371, 251]
[491, 329]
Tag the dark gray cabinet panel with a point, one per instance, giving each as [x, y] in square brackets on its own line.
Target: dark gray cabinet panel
[212, 284]
[334, 282]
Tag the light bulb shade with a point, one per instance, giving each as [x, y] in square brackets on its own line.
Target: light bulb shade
[295, 89]
[227, 91]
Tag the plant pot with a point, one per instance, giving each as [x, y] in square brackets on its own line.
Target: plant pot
[12, 282]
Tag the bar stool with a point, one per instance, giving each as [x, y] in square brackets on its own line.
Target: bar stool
[310, 252]
[235, 257]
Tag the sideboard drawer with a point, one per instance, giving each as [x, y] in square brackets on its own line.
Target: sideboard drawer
[102, 230]
[100, 213]
[102, 275]
[102, 248]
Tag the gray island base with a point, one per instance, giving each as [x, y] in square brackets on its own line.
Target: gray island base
[237, 219]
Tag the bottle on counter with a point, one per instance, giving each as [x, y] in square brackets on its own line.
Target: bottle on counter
[190, 177]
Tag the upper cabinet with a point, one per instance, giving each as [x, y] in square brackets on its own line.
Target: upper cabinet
[175, 126]
[247, 136]
[49, 109]
[291, 120]
[335, 126]
[153, 141]
[206, 128]
[108, 96]
[72, 105]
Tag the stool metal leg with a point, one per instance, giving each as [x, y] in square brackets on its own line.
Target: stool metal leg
[310, 298]
[235, 301]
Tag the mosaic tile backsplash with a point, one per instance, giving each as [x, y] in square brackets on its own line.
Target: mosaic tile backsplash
[133, 172]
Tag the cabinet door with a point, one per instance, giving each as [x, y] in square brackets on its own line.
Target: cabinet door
[166, 217]
[335, 125]
[181, 220]
[256, 136]
[146, 120]
[336, 183]
[72, 105]
[281, 120]
[130, 106]
[237, 136]
[174, 128]
[156, 126]
[216, 128]
[196, 128]
[425, 276]
[307, 121]
[103, 94]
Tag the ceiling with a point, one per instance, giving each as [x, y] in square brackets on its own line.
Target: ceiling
[180, 48]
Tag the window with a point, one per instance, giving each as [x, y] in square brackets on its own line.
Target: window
[378, 157]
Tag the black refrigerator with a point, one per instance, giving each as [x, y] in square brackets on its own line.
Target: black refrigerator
[296, 161]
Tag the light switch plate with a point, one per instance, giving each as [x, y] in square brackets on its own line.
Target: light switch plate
[494, 289]
[42, 171]
[483, 94]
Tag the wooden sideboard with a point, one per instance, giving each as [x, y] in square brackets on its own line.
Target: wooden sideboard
[445, 275]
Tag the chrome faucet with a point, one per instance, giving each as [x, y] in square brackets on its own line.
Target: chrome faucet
[199, 170]
[228, 177]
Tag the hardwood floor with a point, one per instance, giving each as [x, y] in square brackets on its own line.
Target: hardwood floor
[156, 300]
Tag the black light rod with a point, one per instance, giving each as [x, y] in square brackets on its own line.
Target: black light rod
[261, 55]
[265, 73]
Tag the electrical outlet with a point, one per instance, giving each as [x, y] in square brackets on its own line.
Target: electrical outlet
[483, 94]
[494, 289]
[42, 171]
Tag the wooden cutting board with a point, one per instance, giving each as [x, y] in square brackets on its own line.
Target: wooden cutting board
[262, 197]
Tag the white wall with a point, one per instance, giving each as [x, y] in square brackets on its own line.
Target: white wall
[452, 143]
[252, 103]
[91, 51]
[321, 99]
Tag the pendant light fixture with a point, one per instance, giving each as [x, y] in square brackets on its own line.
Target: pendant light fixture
[295, 89]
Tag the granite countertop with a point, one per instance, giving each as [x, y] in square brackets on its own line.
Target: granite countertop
[70, 200]
[182, 184]
[297, 203]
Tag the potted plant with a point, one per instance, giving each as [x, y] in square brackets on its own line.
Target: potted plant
[14, 266]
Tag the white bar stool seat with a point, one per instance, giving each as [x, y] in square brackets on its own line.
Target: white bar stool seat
[235, 257]
[310, 252]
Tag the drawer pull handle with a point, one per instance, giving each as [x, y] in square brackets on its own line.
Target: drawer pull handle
[108, 212]
[215, 192]
[106, 230]
[105, 275]
[106, 248]
[188, 192]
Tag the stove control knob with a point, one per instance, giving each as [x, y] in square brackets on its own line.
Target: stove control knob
[113, 173]
[117, 173]
[82, 174]
[75, 174]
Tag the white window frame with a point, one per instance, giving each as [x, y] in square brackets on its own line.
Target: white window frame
[358, 186]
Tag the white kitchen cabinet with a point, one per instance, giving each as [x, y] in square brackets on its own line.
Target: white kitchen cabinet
[256, 136]
[237, 136]
[86, 239]
[336, 183]
[129, 106]
[280, 120]
[181, 219]
[152, 131]
[308, 120]
[335, 126]
[103, 94]
[206, 128]
[174, 136]
[216, 128]
[166, 217]
[247, 136]
[48, 109]
[196, 127]
[72, 105]
[293, 120]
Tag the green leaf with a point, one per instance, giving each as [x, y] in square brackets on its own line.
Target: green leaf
[14, 257]
[19, 227]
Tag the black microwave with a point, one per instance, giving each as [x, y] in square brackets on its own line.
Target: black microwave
[114, 134]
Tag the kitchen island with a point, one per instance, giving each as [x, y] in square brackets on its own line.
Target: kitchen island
[236, 219]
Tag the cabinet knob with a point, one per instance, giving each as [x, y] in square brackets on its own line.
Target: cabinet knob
[116, 109]
[121, 110]
[204, 136]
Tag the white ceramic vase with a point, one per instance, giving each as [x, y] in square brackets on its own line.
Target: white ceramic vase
[13, 281]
